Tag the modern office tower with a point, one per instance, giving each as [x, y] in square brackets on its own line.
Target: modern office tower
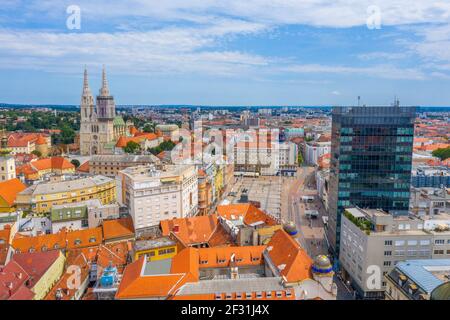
[371, 156]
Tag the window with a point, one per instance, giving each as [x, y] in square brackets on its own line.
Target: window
[388, 243]
[399, 243]
[438, 251]
[439, 241]
[388, 253]
[386, 263]
[269, 294]
[424, 242]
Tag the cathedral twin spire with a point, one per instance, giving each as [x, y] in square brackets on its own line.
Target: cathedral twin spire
[104, 90]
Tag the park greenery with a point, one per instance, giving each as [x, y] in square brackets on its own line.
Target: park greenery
[442, 153]
[163, 146]
[132, 147]
[67, 122]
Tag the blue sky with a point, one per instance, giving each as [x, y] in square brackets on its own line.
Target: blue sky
[210, 52]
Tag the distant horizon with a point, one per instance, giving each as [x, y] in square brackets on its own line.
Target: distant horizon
[39, 105]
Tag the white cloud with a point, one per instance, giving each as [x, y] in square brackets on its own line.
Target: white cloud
[189, 33]
[380, 71]
[165, 50]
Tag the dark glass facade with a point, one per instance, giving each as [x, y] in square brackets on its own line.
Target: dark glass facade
[371, 156]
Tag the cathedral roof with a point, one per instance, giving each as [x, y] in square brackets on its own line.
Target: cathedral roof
[118, 121]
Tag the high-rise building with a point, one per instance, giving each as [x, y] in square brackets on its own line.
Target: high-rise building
[371, 156]
[100, 127]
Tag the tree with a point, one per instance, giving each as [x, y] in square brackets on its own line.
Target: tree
[442, 153]
[149, 127]
[300, 159]
[37, 153]
[132, 147]
[163, 146]
[75, 162]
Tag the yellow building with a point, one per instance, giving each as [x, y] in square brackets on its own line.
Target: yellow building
[40, 198]
[43, 269]
[155, 249]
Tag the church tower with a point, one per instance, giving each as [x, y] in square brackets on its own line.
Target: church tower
[100, 127]
[88, 117]
[106, 108]
[87, 107]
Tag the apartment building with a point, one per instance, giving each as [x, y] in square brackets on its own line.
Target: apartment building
[288, 158]
[110, 165]
[261, 154]
[154, 193]
[40, 198]
[373, 242]
[314, 150]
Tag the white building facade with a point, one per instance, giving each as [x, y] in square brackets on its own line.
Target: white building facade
[155, 193]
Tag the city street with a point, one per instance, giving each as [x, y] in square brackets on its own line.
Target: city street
[311, 230]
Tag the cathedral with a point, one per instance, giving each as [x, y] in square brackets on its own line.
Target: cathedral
[100, 127]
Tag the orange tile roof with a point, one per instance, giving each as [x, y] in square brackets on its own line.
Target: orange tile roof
[135, 285]
[190, 230]
[122, 142]
[41, 140]
[22, 243]
[18, 139]
[86, 238]
[289, 257]
[4, 244]
[103, 255]
[249, 212]
[138, 138]
[52, 163]
[118, 228]
[9, 190]
[220, 257]
[212, 296]
[186, 261]
[63, 239]
[133, 130]
[84, 167]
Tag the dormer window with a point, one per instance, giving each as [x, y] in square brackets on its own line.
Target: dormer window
[92, 239]
[77, 242]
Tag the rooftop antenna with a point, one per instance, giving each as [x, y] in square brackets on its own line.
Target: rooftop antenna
[359, 100]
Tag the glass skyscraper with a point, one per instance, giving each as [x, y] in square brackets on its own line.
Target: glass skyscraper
[371, 158]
